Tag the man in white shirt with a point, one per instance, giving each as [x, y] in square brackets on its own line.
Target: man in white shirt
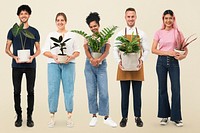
[130, 17]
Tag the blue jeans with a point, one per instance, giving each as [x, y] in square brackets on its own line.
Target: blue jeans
[97, 88]
[66, 74]
[165, 65]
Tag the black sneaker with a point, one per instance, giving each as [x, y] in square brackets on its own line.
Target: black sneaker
[123, 122]
[138, 122]
[178, 123]
[18, 122]
[164, 121]
[30, 122]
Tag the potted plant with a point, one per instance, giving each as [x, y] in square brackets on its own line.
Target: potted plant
[184, 44]
[23, 54]
[62, 57]
[97, 40]
[129, 52]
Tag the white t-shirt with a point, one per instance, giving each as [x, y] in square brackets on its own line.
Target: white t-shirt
[71, 45]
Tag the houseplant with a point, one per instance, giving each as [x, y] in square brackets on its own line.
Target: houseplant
[184, 44]
[62, 57]
[129, 51]
[97, 40]
[23, 54]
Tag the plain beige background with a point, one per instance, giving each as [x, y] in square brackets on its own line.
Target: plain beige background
[112, 13]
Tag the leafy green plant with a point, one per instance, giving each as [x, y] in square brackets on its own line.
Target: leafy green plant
[185, 42]
[18, 30]
[60, 43]
[128, 46]
[98, 39]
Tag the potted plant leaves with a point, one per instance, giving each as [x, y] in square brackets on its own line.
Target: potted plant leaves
[129, 52]
[62, 57]
[23, 54]
[184, 44]
[97, 40]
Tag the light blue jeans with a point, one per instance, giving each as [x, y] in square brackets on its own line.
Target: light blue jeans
[97, 88]
[66, 74]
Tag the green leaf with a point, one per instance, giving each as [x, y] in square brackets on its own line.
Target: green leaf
[16, 29]
[28, 34]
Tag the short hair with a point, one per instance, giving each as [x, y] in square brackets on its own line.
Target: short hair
[93, 16]
[24, 8]
[61, 14]
[130, 9]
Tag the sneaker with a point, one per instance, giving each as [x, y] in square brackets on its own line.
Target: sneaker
[178, 123]
[164, 121]
[51, 123]
[138, 122]
[70, 122]
[18, 122]
[30, 122]
[93, 122]
[110, 122]
[123, 122]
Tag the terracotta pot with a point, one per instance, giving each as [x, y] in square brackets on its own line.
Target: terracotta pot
[23, 55]
[130, 61]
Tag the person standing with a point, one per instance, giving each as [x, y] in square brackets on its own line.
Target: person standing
[127, 78]
[96, 77]
[19, 68]
[166, 39]
[58, 71]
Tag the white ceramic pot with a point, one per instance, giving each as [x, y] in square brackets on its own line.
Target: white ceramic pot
[96, 55]
[130, 61]
[62, 58]
[180, 51]
[23, 55]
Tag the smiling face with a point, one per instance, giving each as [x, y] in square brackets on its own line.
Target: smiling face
[130, 17]
[24, 16]
[60, 22]
[168, 21]
[94, 26]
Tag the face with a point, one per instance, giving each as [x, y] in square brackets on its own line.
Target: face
[130, 17]
[60, 22]
[24, 16]
[94, 27]
[168, 21]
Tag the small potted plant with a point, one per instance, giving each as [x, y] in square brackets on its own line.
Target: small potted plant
[184, 44]
[97, 40]
[129, 52]
[23, 54]
[62, 57]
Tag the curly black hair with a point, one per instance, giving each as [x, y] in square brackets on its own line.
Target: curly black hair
[24, 8]
[93, 16]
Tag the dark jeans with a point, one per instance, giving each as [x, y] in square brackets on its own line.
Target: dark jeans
[17, 74]
[125, 90]
[165, 65]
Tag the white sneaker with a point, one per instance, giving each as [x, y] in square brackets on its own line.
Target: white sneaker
[93, 122]
[178, 123]
[164, 121]
[51, 123]
[70, 122]
[110, 122]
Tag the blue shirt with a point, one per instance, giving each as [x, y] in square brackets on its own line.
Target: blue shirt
[17, 45]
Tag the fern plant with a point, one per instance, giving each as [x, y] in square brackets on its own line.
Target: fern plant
[60, 43]
[98, 39]
[18, 30]
[128, 46]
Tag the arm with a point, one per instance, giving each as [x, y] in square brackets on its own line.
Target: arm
[73, 56]
[37, 46]
[104, 55]
[8, 51]
[89, 56]
[154, 50]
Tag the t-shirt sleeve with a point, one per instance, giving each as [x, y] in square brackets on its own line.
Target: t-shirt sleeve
[37, 36]
[10, 35]
[156, 36]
